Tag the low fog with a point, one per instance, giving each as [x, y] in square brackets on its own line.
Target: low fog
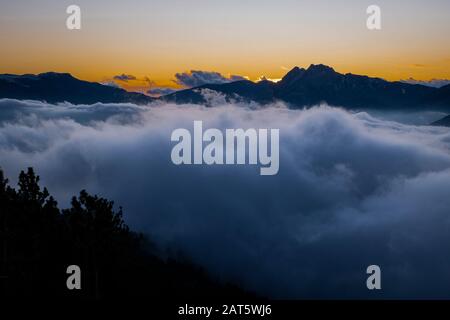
[353, 189]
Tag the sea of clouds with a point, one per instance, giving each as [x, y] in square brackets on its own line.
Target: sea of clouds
[352, 190]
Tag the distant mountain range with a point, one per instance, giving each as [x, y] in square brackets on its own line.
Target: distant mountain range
[299, 88]
[59, 87]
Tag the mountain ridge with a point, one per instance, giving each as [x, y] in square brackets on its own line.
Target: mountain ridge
[322, 84]
[56, 87]
[299, 88]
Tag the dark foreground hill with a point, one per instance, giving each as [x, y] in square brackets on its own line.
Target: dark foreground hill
[38, 241]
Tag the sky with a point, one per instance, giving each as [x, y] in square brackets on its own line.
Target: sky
[154, 40]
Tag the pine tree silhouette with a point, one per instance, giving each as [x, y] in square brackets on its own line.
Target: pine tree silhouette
[39, 241]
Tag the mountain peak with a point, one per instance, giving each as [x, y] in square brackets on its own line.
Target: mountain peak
[320, 68]
[293, 75]
[296, 70]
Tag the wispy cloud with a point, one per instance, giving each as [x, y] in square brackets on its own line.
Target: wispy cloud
[196, 78]
[110, 83]
[124, 77]
[435, 83]
[264, 78]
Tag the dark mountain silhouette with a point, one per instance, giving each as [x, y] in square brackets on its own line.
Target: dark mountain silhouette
[262, 92]
[319, 83]
[38, 241]
[444, 122]
[59, 87]
[299, 88]
[441, 97]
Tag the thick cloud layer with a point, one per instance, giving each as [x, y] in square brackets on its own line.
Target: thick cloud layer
[352, 190]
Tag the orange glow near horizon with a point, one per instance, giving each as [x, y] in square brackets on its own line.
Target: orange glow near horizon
[159, 39]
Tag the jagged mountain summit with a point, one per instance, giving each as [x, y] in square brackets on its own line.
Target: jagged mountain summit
[322, 84]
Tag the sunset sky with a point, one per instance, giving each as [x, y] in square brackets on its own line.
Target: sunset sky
[158, 38]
